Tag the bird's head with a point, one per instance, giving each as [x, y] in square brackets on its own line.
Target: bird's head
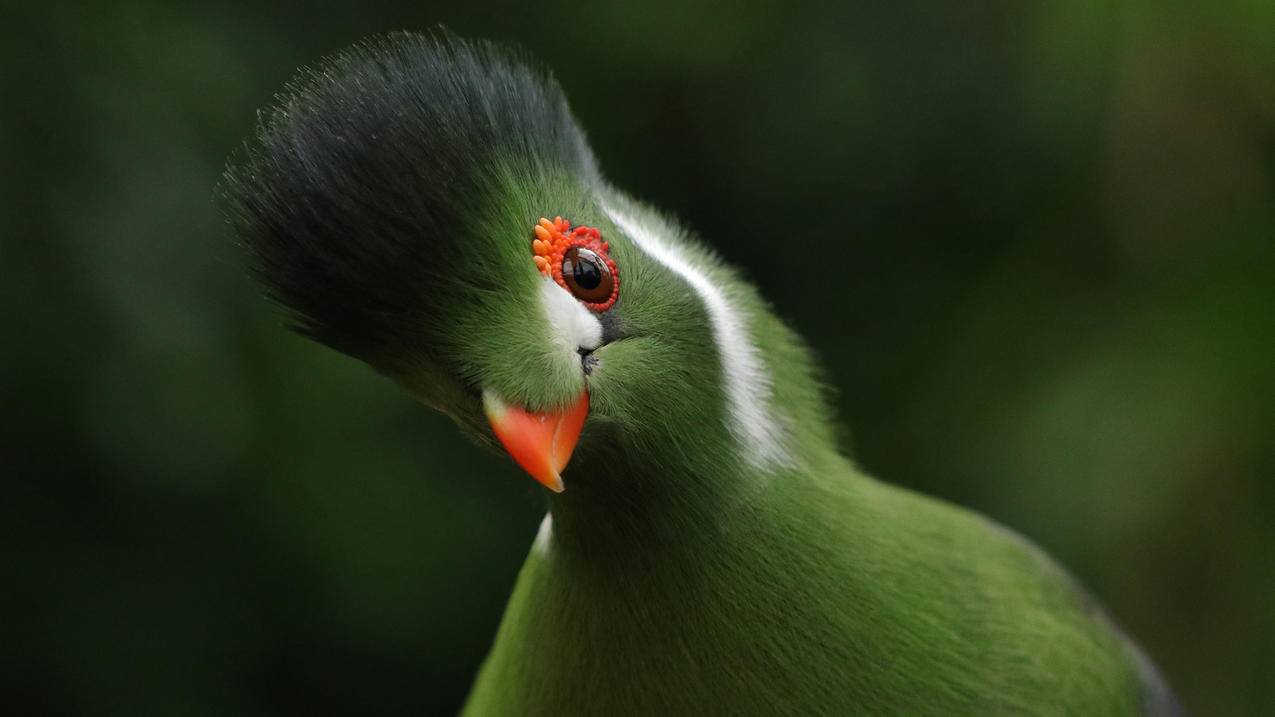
[431, 207]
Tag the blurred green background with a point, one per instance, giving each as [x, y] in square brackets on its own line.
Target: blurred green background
[1032, 242]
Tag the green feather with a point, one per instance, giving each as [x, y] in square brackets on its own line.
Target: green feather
[676, 578]
[690, 565]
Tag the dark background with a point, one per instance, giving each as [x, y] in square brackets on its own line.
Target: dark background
[1031, 242]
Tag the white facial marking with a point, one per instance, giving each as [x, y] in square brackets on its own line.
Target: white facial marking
[571, 326]
[747, 383]
[541, 544]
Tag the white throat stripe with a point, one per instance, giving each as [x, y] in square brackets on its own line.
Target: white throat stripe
[543, 536]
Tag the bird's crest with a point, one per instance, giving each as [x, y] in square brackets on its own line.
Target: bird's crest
[359, 178]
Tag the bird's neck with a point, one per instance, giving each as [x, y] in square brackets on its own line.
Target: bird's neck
[698, 493]
[606, 518]
[603, 532]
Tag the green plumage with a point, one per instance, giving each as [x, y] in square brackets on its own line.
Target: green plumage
[678, 572]
[677, 579]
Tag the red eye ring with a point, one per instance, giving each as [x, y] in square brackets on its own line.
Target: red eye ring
[593, 277]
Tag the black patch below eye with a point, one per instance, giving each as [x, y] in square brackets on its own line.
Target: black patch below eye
[587, 361]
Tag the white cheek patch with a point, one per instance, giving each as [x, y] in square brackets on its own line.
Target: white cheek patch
[747, 382]
[571, 326]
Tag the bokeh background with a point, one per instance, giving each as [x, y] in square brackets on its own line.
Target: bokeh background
[1034, 244]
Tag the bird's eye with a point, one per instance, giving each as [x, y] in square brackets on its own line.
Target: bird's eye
[579, 260]
[586, 275]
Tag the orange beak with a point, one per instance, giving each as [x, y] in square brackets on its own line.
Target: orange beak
[540, 442]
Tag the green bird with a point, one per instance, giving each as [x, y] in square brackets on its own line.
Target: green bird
[429, 205]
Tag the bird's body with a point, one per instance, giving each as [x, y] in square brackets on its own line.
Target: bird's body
[841, 595]
[804, 587]
[712, 551]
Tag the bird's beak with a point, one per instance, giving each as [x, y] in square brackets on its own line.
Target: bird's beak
[540, 442]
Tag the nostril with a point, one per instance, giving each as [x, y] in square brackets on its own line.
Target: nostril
[587, 360]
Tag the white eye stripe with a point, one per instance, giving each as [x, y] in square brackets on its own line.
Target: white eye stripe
[747, 383]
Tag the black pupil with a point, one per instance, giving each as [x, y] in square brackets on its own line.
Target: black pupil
[585, 270]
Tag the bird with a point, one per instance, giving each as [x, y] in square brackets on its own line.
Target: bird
[429, 205]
